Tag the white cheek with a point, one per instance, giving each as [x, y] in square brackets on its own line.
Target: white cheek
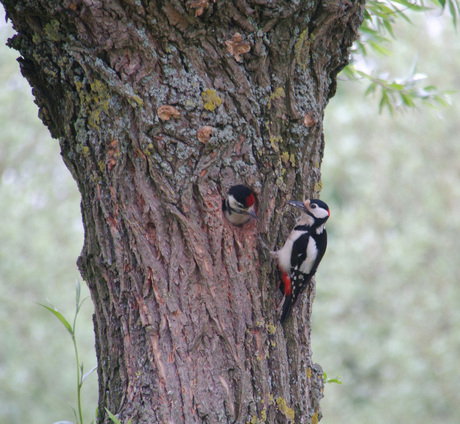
[319, 212]
[232, 202]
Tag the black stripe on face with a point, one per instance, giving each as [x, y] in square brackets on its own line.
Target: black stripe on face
[301, 228]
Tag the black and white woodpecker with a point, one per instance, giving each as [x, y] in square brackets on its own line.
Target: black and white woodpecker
[239, 204]
[302, 252]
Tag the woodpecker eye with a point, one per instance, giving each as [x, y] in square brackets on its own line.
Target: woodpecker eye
[313, 206]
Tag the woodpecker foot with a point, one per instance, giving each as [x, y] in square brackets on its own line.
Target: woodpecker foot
[279, 308]
[273, 254]
[264, 245]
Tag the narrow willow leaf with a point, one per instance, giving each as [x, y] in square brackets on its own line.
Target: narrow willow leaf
[385, 102]
[75, 413]
[112, 417]
[414, 7]
[396, 86]
[362, 74]
[60, 317]
[349, 72]
[78, 293]
[400, 13]
[388, 27]
[379, 48]
[454, 11]
[440, 3]
[370, 89]
[407, 100]
[88, 373]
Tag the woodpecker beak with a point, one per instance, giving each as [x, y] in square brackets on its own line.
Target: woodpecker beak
[253, 214]
[300, 205]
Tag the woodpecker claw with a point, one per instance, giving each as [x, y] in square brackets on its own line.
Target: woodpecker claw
[264, 245]
[279, 308]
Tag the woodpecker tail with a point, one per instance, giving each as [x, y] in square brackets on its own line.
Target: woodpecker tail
[287, 307]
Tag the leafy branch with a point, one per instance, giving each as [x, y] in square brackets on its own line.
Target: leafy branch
[398, 93]
[452, 5]
[81, 376]
[381, 15]
[376, 31]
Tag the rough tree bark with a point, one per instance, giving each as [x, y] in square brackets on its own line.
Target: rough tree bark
[159, 107]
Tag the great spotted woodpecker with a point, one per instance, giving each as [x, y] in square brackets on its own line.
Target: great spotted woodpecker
[302, 252]
[239, 204]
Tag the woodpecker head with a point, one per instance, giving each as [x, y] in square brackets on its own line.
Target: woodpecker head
[239, 204]
[314, 212]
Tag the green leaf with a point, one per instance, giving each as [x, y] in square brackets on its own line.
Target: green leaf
[407, 100]
[388, 27]
[371, 89]
[454, 11]
[88, 373]
[60, 317]
[397, 86]
[385, 102]
[113, 417]
[413, 7]
[78, 292]
[336, 380]
[76, 415]
[362, 74]
[349, 72]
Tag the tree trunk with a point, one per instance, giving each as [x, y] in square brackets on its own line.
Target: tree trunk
[159, 107]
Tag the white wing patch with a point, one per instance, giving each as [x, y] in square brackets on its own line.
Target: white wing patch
[284, 254]
[233, 203]
[307, 264]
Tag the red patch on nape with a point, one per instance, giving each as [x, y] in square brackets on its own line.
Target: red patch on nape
[250, 200]
[287, 284]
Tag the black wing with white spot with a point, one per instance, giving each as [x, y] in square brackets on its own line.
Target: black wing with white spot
[299, 280]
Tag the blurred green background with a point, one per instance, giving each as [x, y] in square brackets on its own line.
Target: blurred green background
[386, 316]
[41, 237]
[387, 309]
